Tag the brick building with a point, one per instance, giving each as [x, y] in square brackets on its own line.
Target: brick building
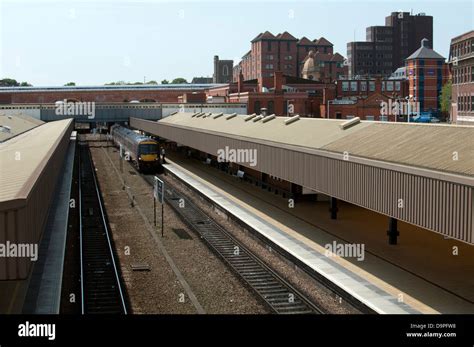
[111, 93]
[363, 98]
[386, 47]
[461, 60]
[288, 95]
[222, 70]
[427, 72]
[285, 53]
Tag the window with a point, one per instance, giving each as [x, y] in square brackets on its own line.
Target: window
[372, 86]
[225, 70]
[389, 86]
[271, 107]
[371, 118]
[397, 86]
[256, 107]
[345, 86]
[383, 118]
[269, 46]
[269, 57]
[353, 86]
[363, 86]
[269, 66]
[288, 46]
[349, 116]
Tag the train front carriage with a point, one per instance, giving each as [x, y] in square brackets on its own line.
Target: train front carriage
[148, 156]
[142, 151]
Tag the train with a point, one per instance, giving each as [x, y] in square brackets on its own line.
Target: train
[142, 151]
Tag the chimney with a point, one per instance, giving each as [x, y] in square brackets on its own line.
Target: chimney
[215, 76]
[378, 85]
[240, 82]
[278, 81]
[424, 43]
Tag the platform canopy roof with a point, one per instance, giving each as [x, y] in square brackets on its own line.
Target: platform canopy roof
[445, 148]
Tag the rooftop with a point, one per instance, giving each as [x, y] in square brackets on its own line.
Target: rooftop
[415, 145]
[424, 52]
[23, 157]
[183, 86]
[13, 125]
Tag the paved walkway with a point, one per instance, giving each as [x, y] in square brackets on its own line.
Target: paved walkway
[380, 284]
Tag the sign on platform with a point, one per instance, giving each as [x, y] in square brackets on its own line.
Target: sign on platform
[159, 190]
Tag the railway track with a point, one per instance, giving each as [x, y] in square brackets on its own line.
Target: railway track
[101, 288]
[279, 295]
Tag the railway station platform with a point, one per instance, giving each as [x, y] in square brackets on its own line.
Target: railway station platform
[44, 290]
[419, 275]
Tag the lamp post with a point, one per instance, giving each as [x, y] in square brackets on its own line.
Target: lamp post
[408, 98]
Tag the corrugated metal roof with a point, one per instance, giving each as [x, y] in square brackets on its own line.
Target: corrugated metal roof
[307, 132]
[421, 145]
[12, 125]
[427, 146]
[22, 158]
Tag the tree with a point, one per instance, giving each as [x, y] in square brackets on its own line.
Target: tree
[152, 82]
[118, 83]
[179, 80]
[8, 82]
[445, 98]
[70, 84]
[165, 82]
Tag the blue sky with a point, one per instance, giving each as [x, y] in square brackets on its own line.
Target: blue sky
[94, 42]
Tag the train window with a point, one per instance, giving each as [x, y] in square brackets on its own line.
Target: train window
[148, 149]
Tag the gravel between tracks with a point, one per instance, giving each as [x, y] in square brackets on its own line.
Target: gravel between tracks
[216, 288]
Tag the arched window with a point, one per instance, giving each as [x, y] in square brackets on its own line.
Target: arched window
[271, 107]
[256, 107]
[225, 70]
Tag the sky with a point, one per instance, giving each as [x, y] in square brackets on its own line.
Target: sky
[52, 42]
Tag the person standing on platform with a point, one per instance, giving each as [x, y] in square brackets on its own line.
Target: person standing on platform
[163, 155]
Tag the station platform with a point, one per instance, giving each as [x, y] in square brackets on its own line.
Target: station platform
[419, 275]
[44, 290]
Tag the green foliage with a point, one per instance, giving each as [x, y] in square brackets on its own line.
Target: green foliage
[70, 84]
[445, 97]
[10, 82]
[179, 80]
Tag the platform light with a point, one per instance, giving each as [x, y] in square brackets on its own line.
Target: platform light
[230, 116]
[218, 115]
[256, 119]
[292, 119]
